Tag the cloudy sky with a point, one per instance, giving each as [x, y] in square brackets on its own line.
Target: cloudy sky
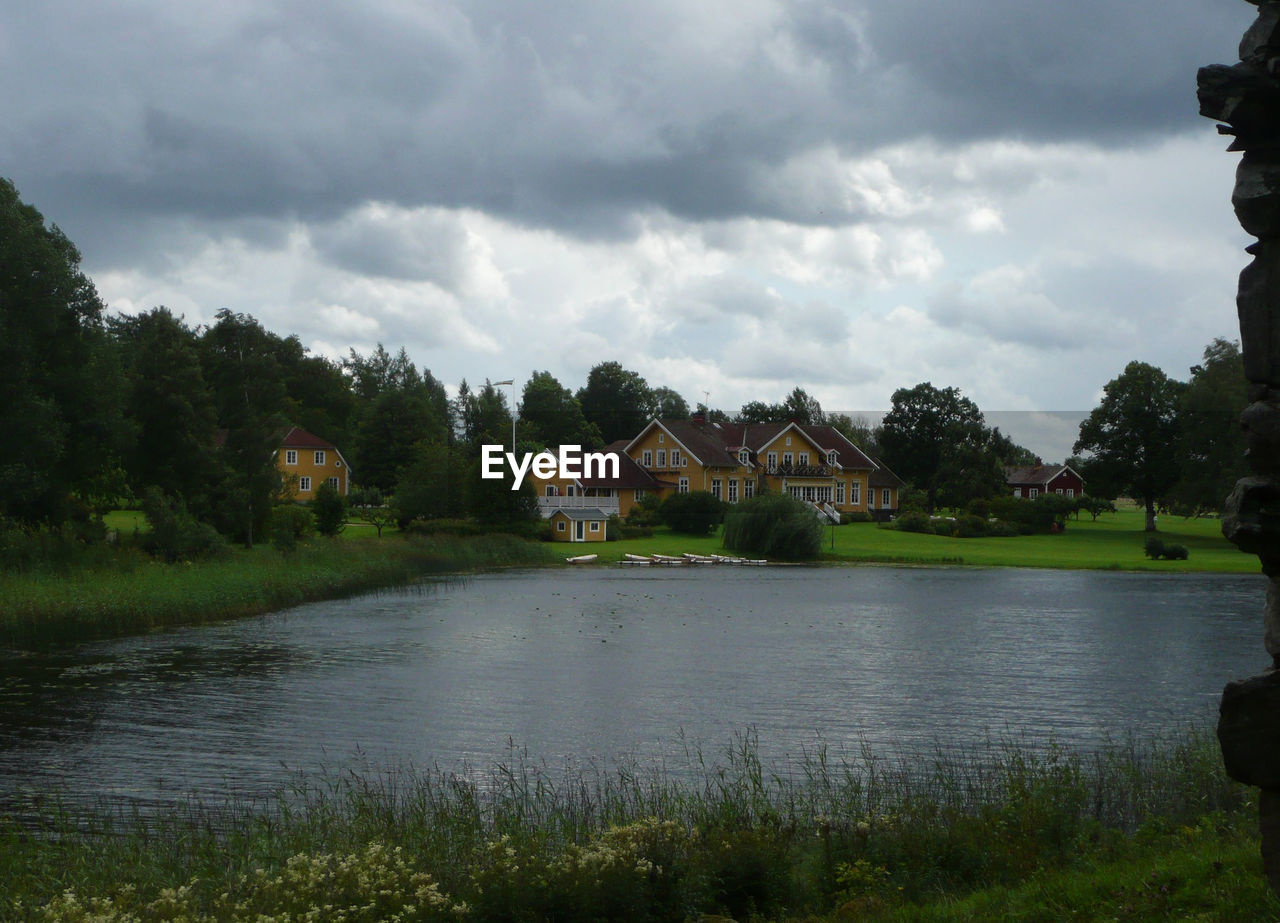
[729, 197]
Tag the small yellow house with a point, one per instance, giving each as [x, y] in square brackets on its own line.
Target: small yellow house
[579, 524]
[306, 461]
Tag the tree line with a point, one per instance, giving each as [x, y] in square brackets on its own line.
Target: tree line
[102, 407]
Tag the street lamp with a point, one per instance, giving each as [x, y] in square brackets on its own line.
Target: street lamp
[512, 382]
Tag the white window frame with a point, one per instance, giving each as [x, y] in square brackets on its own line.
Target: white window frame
[595, 525]
[773, 459]
[839, 493]
[319, 458]
[1033, 493]
[788, 459]
[304, 484]
[1071, 491]
[551, 490]
[639, 494]
[1058, 491]
[855, 492]
[646, 458]
[831, 457]
[744, 457]
[1017, 492]
[748, 488]
[675, 458]
[716, 484]
[682, 486]
[886, 498]
[732, 496]
[290, 456]
[662, 437]
[662, 458]
[333, 482]
[788, 440]
[559, 525]
[802, 459]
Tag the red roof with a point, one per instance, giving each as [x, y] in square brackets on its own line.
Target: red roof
[298, 438]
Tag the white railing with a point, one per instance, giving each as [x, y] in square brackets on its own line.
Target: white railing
[548, 505]
[831, 512]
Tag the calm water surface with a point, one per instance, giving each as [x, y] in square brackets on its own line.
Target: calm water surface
[599, 664]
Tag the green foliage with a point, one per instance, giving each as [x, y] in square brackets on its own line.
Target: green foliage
[554, 416]
[856, 516]
[433, 485]
[1133, 434]
[1043, 514]
[1156, 549]
[618, 401]
[914, 521]
[290, 522]
[329, 508]
[1094, 506]
[775, 525]
[646, 512]
[937, 440]
[797, 406]
[1211, 446]
[669, 405]
[175, 535]
[694, 513]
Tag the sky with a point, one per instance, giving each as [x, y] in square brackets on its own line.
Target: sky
[731, 198]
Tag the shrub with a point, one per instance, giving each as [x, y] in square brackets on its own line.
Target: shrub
[856, 516]
[774, 525]
[613, 528]
[175, 534]
[294, 518]
[645, 513]
[330, 510]
[694, 513]
[979, 506]
[1156, 549]
[914, 521]
[970, 526]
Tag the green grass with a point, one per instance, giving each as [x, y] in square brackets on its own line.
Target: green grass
[1114, 542]
[136, 594]
[1002, 832]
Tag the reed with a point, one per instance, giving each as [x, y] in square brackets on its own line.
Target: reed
[882, 836]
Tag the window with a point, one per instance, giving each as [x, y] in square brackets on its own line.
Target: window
[333, 482]
[773, 459]
[320, 458]
[831, 457]
[855, 493]
[840, 493]
[733, 490]
[662, 437]
[639, 494]
[646, 458]
[683, 486]
[1071, 492]
[684, 462]
[571, 490]
[1017, 492]
[1033, 493]
[884, 498]
[290, 456]
[675, 458]
[559, 525]
[787, 458]
[552, 490]
[662, 458]
[748, 489]
[595, 526]
[744, 457]
[715, 488]
[304, 483]
[803, 458]
[1058, 491]
[871, 498]
[788, 440]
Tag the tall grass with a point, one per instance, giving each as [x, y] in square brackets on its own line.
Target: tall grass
[131, 593]
[728, 835]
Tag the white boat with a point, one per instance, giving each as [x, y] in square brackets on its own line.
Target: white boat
[582, 559]
[637, 559]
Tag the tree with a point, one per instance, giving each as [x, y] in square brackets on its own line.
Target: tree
[694, 513]
[668, 405]
[168, 405]
[616, 400]
[774, 525]
[857, 430]
[1010, 453]
[1211, 446]
[239, 362]
[759, 412]
[554, 416]
[1133, 432]
[60, 421]
[433, 485]
[937, 440]
[802, 408]
[330, 510]
[394, 423]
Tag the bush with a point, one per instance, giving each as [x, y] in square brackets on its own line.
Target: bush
[857, 516]
[1156, 549]
[613, 528]
[330, 510]
[774, 525]
[645, 513]
[294, 518]
[914, 521]
[979, 506]
[694, 513]
[175, 534]
[445, 527]
[970, 526]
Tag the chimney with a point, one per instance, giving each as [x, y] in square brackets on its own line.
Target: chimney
[697, 419]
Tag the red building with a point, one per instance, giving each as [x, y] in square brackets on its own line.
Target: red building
[1038, 480]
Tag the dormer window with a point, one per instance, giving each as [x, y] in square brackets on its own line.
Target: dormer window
[744, 457]
[831, 457]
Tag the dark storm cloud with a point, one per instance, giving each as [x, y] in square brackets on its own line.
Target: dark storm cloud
[572, 115]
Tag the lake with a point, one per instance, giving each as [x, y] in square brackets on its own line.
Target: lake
[596, 664]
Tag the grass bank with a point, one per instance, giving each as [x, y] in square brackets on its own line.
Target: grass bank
[1002, 832]
[1114, 542]
[128, 592]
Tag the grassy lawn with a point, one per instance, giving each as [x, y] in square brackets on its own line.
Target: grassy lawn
[1114, 542]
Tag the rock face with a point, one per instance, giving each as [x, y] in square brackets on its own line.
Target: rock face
[1246, 97]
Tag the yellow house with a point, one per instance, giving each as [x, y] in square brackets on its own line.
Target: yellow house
[734, 461]
[579, 524]
[306, 461]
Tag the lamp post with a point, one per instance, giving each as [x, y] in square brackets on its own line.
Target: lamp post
[512, 382]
